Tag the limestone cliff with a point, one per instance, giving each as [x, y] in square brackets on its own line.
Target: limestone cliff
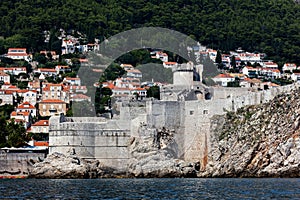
[257, 141]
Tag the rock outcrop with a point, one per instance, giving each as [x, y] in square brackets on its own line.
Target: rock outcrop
[58, 165]
[153, 154]
[257, 141]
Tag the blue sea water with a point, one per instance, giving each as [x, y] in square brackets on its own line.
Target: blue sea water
[150, 188]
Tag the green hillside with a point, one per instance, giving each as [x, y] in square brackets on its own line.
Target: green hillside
[270, 26]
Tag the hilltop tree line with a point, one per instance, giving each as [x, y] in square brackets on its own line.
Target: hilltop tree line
[267, 26]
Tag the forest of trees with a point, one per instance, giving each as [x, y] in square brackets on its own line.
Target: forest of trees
[270, 26]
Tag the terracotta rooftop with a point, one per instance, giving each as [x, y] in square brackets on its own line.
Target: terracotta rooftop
[26, 105]
[52, 101]
[14, 113]
[223, 76]
[41, 123]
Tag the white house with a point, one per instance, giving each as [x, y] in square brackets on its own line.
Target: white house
[72, 81]
[41, 126]
[14, 70]
[270, 65]
[18, 54]
[4, 78]
[22, 116]
[80, 97]
[223, 79]
[162, 56]
[52, 53]
[250, 71]
[78, 89]
[27, 107]
[68, 46]
[63, 68]
[134, 73]
[6, 97]
[46, 71]
[170, 64]
[295, 77]
[270, 73]
[250, 57]
[289, 67]
[30, 96]
[127, 66]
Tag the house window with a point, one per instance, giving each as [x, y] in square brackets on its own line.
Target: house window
[205, 112]
[191, 112]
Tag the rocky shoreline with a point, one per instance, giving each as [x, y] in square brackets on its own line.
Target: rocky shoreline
[60, 166]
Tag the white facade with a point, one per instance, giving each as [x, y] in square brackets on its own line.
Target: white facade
[295, 76]
[289, 67]
[18, 54]
[223, 79]
[5, 78]
[14, 70]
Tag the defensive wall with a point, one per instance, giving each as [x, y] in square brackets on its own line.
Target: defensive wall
[107, 140]
[18, 163]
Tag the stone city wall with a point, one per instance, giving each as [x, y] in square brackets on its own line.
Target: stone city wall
[105, 141]
[18, 163]
[190, 120]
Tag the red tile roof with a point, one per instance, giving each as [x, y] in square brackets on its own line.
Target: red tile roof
[41, 123]
[26, 105]
[52, 101]
[14, 113]
[41, 143]
[223, 76]
[80, 96]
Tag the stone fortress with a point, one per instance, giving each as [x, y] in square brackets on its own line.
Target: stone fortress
[185, 109]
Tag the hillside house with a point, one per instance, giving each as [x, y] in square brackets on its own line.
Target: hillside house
[27, 107]
[46, 72]
[295, 77]
[52, 53]
[162, 56]
[223, 79]
[134, 73]
[77, 89]
[270, 65]
[170, 64]
[56, 91]
[250, 57]
[251, 83]
[127, 67]
[30, 96]
[268, 72]
[62, 69]
[6, 98]
[22, 117]
[80, 97]
[41, 126]
[72, 81]
[14, 70]
[250, 72]
[68, 46]
[50, 107]
[18, 54]
[4, 78]
[289, 67]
